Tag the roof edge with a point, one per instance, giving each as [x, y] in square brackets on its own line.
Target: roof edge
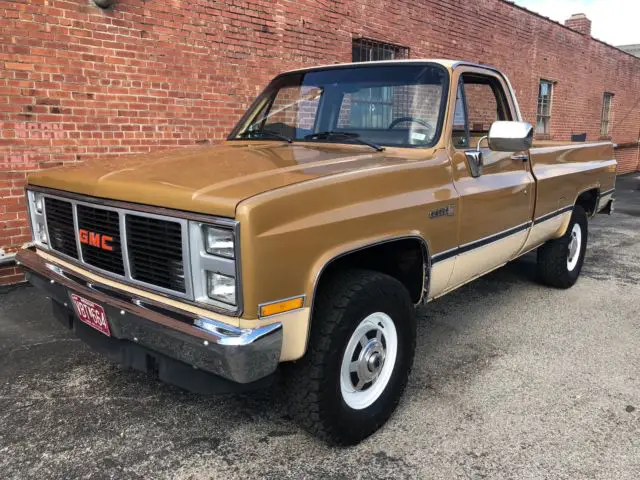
[447, 63]
[539, 15]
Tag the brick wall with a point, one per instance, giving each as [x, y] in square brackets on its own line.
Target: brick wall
[78, 82]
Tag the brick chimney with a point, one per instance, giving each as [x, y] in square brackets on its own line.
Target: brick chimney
[580, 23]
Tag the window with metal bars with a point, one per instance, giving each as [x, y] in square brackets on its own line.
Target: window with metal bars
[377, 103]
[365, 50]
[605, 119]
[543, 117]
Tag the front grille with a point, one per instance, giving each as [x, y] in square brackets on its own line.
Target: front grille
[62, 235]
[101, 245]
[155, 251]
[148, 252]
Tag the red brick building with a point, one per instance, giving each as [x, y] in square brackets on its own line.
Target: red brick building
[79, 82]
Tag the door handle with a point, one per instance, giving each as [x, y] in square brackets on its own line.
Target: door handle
[520, 158]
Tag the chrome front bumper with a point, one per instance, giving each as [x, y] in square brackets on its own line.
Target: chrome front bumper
[236, 354]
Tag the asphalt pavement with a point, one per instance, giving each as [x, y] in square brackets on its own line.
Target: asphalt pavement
[511, 380]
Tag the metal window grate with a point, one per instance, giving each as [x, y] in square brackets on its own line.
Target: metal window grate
[365, 50]
[374, 106]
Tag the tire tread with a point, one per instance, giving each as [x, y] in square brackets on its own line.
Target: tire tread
[552, 256]
[306, 379]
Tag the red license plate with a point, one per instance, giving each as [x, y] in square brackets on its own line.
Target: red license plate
[91, 313]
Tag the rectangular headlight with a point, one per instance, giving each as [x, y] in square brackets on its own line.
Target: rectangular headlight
[221, 288]
[214, 269]
[219, 242]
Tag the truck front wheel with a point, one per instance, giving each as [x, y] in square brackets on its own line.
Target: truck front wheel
[359, 357]
[560, 260]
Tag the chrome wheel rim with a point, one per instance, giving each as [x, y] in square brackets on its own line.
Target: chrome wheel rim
[368, 361]
[575, 244]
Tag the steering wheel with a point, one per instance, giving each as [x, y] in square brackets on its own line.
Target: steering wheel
[410, 119]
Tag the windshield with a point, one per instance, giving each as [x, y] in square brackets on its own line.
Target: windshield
[394, 105]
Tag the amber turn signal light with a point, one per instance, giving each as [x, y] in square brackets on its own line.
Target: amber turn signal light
[281, 307]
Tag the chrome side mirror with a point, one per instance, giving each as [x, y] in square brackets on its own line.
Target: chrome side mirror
[510, 136]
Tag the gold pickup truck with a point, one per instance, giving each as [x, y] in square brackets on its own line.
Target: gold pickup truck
[346, 196]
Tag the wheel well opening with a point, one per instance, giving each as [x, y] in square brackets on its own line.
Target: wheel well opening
[403, 259]
[588, 201]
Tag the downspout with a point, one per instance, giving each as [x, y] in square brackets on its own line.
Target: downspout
[638, 154]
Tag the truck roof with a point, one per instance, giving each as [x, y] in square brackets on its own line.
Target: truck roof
[447, 63]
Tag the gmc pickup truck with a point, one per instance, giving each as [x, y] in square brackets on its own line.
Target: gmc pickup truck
[344, 198]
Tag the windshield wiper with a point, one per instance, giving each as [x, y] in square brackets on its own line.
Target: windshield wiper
[266, 133]
[348, 135]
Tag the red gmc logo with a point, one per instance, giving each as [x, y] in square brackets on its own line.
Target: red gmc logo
[94, 239]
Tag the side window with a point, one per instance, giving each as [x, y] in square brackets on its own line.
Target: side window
[486, 103]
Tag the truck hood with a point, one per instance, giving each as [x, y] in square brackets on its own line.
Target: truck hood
[209, 180]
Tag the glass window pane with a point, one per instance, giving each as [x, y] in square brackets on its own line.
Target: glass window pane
[482, 106]
[396, 105]
[293, 108]
[606, 114]
[459, 120]
[377, 108]
[544, 107]
[459, 136]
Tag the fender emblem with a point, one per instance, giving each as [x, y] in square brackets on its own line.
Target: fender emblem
[448, 211]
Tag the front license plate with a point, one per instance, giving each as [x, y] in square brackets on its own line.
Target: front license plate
[91, 313]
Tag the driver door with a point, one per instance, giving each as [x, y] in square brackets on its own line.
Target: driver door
[496, 197]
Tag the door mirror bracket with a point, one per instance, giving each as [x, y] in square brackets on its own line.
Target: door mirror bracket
[479, 145]
[475, 160]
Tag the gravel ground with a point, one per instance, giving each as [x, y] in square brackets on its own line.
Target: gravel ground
[512, 380]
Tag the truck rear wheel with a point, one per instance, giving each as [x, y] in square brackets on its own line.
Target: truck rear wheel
[560, 260]
[359, 357]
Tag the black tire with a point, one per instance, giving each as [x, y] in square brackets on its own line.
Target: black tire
[315, 397]
[553, 269]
